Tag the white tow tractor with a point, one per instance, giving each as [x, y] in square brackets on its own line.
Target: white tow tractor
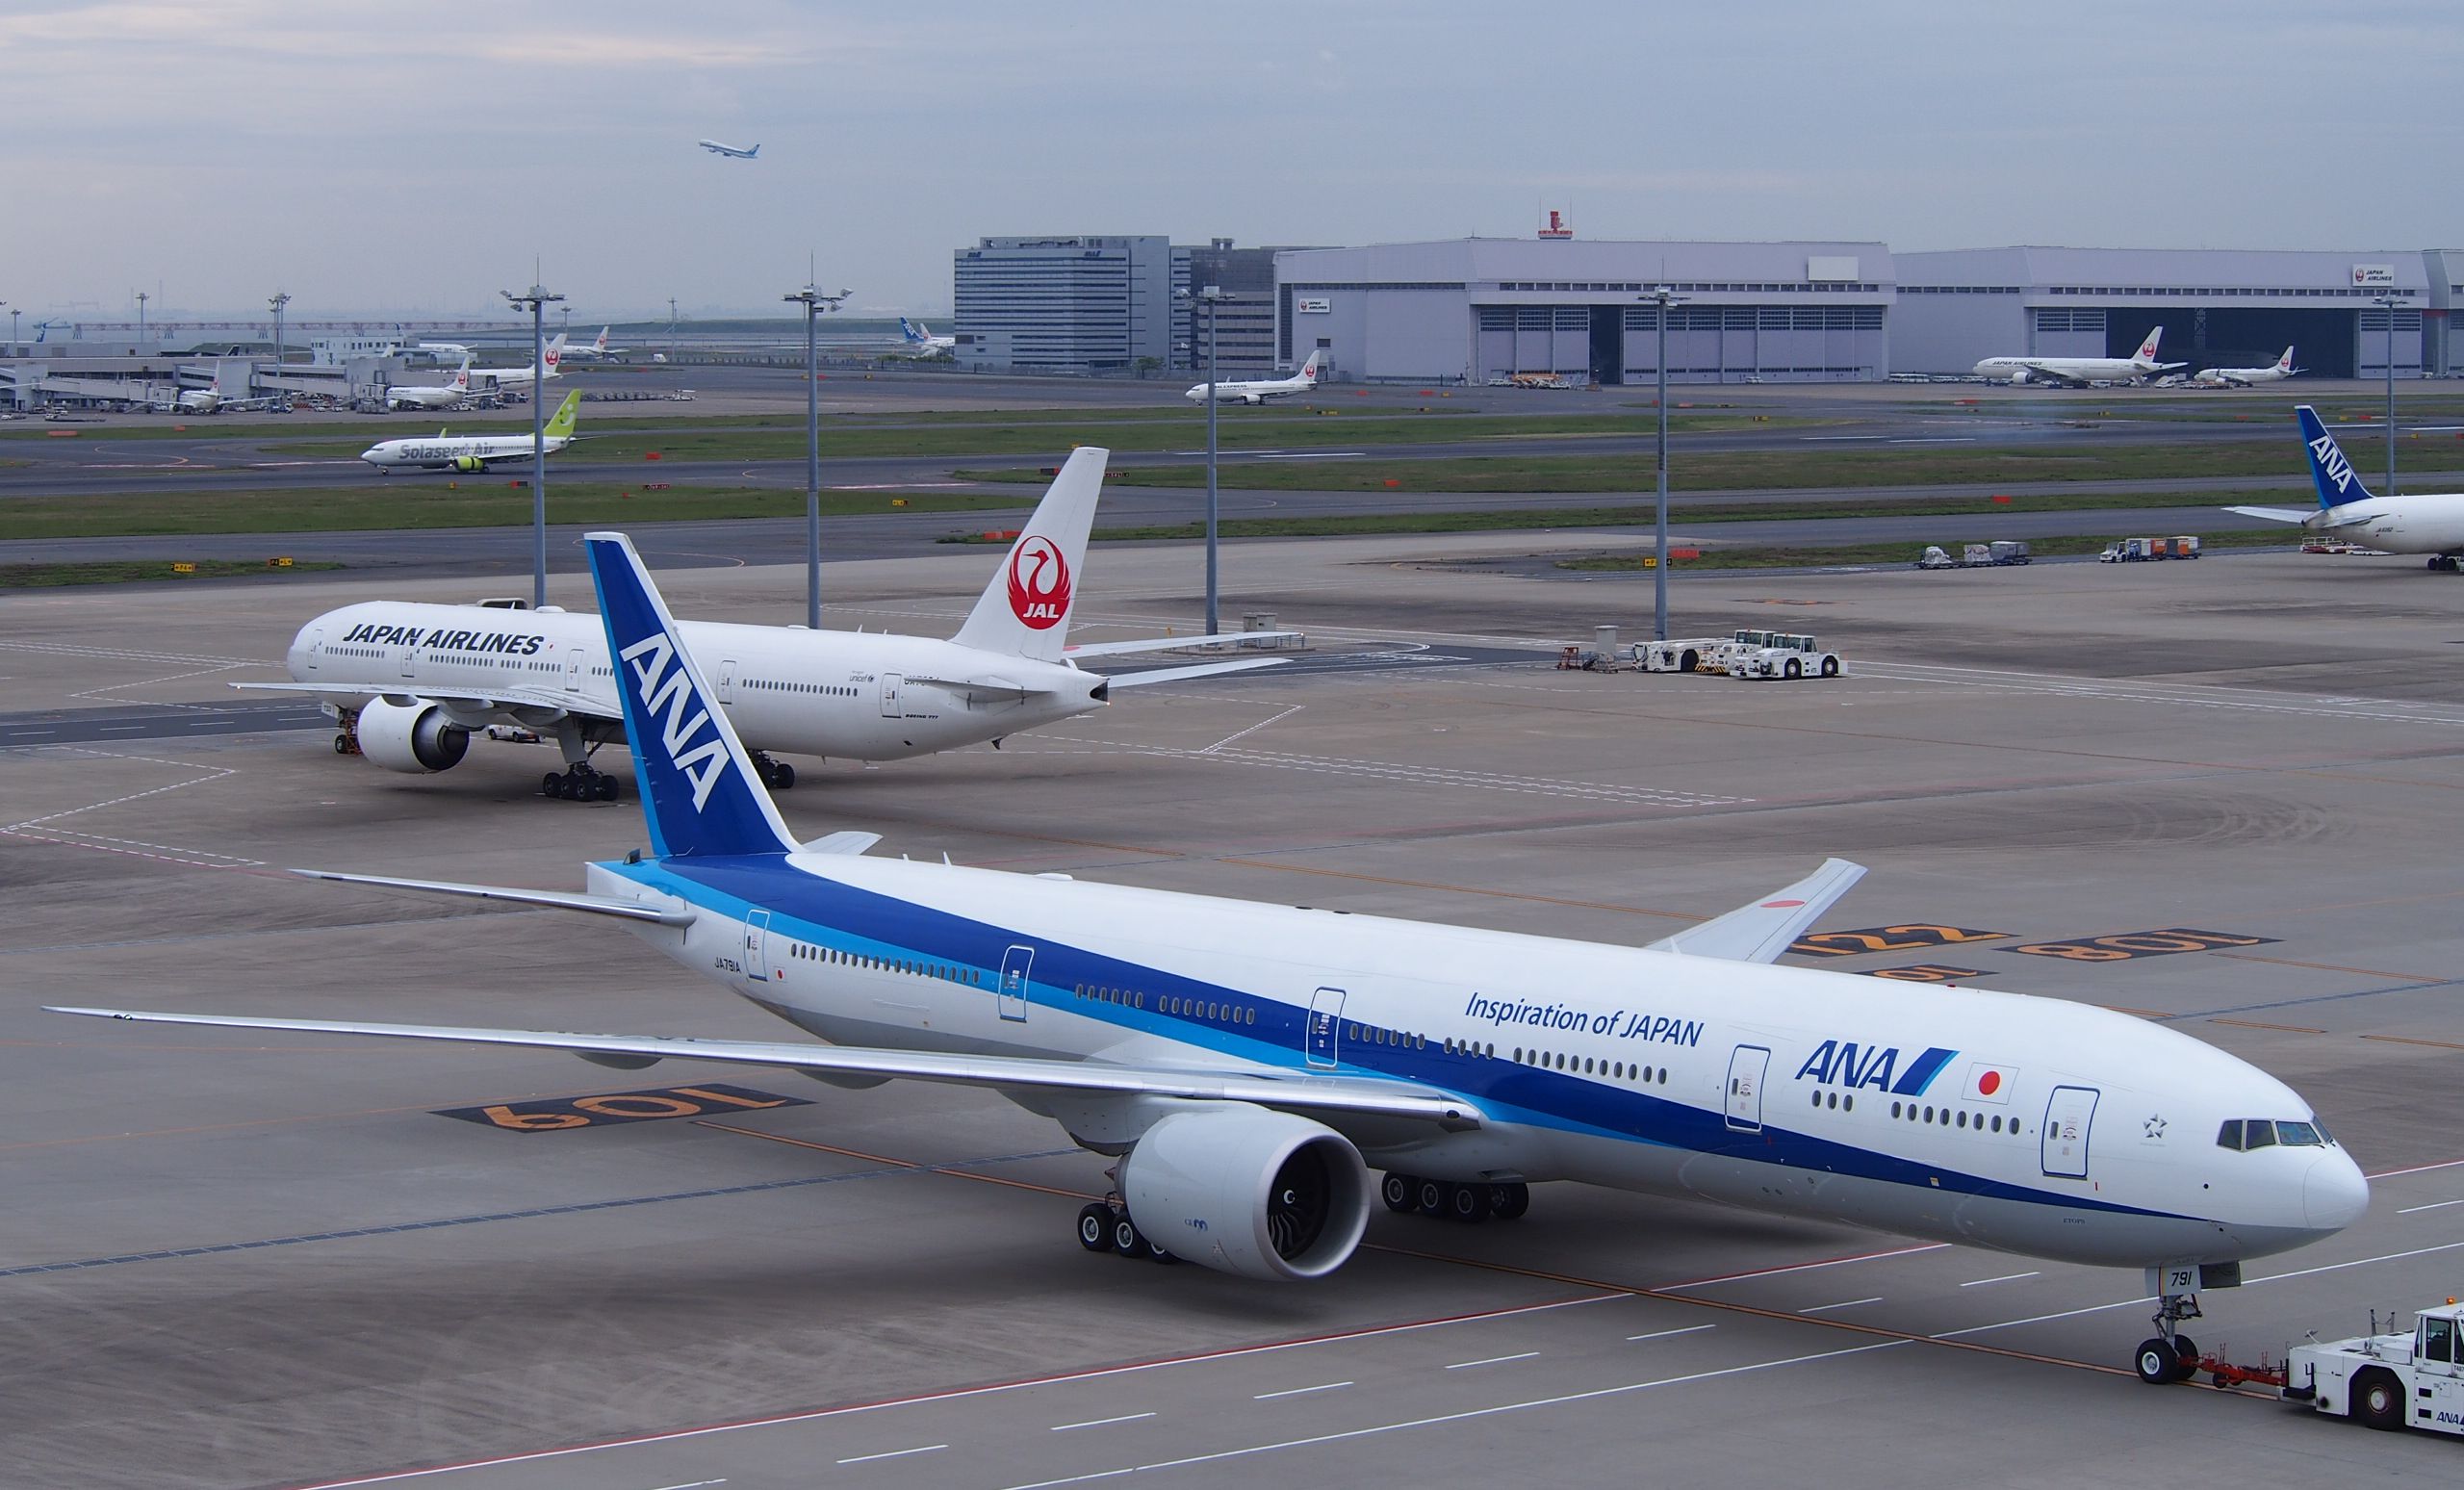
[2414, 1379]
[1684, 654]
[1781, 654]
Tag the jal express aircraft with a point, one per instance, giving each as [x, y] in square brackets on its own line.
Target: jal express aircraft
[472, 452]
[411, 684]
[2080, 372]
[1259, 390]
[2243, 377]
[424, 395]
[2430, 523]
[1249, 1063]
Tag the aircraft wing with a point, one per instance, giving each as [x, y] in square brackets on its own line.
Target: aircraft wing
[580, 705]
[1760, 932]
[2273, 514]
[1350, 1094]
[1119, 649]
[553, 900]
[1165, 675]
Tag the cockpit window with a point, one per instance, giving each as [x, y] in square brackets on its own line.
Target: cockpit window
[2299, 1133]
[2258, 1133]
[2231, 1135]
[2242, 1134]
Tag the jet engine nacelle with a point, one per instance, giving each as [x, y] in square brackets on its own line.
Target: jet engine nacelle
[1248, 1192]
[414, 739]
[468, 463]
[2019, 376]
[1251, 399]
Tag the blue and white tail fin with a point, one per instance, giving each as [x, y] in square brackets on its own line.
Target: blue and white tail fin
[915, 334]
[1024, 612]
[2337, 481]
[700, 793]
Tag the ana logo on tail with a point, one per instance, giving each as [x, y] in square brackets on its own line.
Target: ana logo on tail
[658, 689]
[2331, 462]
[1038, 583]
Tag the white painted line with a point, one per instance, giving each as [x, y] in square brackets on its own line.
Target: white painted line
[696, 1484]
[2418, 1168]
[895, 1454]
[2435, 1205]
[1808, 1267]
[2143, 1299]
[2007, 1278]
[32, 732]
[1492, 1361]
[1663, 1334]
[1064, 1427]
[1330, 1386]
[1461, 1417]
[1848, 1304]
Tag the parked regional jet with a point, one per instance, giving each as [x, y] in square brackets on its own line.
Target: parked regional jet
[2243, 377]
[431, 396]
[1259, 390]
[472, 452]
[730, 151]
[440, 350]
[2430, 523]
[206, 400]
[595, 348]
[916, 339]
[411, 684]
[1248, 1062]
[2080, 372]
[507, 379]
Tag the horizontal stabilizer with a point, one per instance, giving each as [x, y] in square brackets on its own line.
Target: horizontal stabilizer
[2273, 514]
[553, 900]
[1117, 648]
[1374, 1096]
[846, 841]
[1760, 932]
[1165, 675]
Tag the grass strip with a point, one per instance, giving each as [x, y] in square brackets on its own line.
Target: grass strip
[39, 576]
[1889, 555]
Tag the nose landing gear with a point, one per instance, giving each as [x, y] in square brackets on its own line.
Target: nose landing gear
[2170, 1355]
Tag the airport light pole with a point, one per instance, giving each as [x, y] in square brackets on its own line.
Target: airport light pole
[1211, 297]
[2390, 303]
[141, 317]
[281, 298]
[815, 304]
[1664, 298]
[538, 299]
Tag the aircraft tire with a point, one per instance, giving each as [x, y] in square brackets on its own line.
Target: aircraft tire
[1400, 1192]
[1509, 1203]
[1096, 1227]
[787, 775]
[1127, 1240]
[608, 790]
[549, 782]
[1431, 1196]
[1469, 1203]
[2155, 1362]
[2186, 1355]
[342, 744]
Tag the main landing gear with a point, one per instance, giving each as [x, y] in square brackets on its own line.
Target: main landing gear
[584, 783]
[2170, 1355]
[1105, 1226]
[776, 775]
[1475, 1201]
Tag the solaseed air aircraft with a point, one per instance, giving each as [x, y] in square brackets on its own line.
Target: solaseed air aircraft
[472, 452]
[412, 684]
[2430, 523]
[1248, 1064]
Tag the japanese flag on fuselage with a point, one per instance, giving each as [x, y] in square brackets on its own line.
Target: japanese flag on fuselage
[1988, 1082]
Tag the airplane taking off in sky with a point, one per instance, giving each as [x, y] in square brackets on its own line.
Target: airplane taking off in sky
[916, 339]
[412, 682]
[431, 396]
[2430, 523]
[506, 379]
[730, 151]
[2243, 377]
[1259, 390]
[1248, 1064]
[2080, 372]
[471, 453]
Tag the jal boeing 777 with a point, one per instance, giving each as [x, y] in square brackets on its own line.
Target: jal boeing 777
[1249, 1063]
[411, 684]
[2080, 372]
[2430, 523]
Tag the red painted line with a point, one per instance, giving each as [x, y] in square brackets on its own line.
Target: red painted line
[958, 1394]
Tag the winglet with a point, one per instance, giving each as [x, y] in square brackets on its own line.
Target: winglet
[2330, 473]
[1024, 612]
[1760, 932]
[700, 793]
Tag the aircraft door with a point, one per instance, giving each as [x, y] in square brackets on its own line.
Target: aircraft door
[1748, 1064]
[410, 661]
[891, 708]
[1016, 964]
[577, 663]
[316, 648]
[1322, 1042]
[726, 680]
[757, 945]
[2067, 1116]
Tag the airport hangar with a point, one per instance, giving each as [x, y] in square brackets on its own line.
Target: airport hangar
[1480, 310]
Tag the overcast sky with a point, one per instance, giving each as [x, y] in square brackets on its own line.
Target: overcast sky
[415, 158]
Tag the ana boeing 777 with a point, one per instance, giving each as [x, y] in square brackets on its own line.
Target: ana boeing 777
[1249, 1064]
[730, 151]
[411, 684]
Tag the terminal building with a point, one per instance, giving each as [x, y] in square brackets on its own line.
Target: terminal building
[1080, 304]
[2218, 307]
[1490, 310]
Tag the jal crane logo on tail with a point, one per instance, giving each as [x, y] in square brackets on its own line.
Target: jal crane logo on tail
[1038, 583]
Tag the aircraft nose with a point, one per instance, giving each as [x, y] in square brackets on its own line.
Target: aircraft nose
[2334, 1193]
